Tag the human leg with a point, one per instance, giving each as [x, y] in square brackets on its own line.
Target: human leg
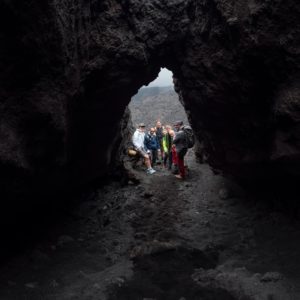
[147, 161]
[181, 167]
[175, 160]
[166, 156]
[161, 147]
[154, 156]
[150, 170]
[170, 161]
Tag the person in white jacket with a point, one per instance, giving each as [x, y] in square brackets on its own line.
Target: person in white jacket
[138, 140]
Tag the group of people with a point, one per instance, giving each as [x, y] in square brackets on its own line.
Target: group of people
[162, 145]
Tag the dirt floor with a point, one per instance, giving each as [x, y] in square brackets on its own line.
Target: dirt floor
[163, 239]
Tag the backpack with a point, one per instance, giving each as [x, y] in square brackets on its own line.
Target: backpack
[189, 134]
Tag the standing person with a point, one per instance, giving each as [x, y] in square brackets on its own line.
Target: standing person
[167, 141]
[168, 128]
[159, 134]
[180, 142]
[151, 143]
[138, 140]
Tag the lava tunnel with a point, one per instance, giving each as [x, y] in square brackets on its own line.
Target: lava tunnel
[68, 70]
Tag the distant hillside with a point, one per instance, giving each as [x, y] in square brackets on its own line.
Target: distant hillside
[156, 103]
[151, 92]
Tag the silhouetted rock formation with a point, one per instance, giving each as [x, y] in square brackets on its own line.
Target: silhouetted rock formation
[69, 69]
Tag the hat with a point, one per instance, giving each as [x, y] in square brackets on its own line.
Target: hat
[142, 125]
[178, 123]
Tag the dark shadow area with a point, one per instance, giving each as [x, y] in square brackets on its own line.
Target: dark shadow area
[168, 276]
[68, 71]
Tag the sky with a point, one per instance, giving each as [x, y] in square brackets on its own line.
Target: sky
[164, 78]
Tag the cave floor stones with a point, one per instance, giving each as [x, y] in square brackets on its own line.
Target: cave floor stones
[162, 239]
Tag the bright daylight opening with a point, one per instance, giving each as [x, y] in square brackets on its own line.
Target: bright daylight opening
[162, 129]
[157, 101]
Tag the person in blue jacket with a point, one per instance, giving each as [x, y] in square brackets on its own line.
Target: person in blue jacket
[152, 144]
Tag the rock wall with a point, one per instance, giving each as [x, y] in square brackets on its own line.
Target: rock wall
[68, 70]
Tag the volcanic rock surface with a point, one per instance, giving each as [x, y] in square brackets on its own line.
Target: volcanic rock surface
[68, 69]
[162, 239]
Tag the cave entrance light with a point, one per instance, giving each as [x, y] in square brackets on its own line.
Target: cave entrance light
[164, 78]
[157, 101]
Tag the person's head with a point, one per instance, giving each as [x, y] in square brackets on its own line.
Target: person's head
[142, 127]
[165, 131]
[158, 124]
[177, 125]
[172, 133]
[168, 128]
[152, 131]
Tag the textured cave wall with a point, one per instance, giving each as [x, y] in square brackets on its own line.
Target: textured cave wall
[236, 76]
[69, 68]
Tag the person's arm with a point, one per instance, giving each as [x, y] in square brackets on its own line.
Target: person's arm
[135, 140]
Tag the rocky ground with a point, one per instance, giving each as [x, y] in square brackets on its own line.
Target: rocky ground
[162, 239]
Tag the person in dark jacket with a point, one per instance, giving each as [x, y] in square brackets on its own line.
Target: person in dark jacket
[151, 143]
[180, 143]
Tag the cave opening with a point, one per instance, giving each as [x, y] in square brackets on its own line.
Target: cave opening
[158, 106]
[157, 101]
